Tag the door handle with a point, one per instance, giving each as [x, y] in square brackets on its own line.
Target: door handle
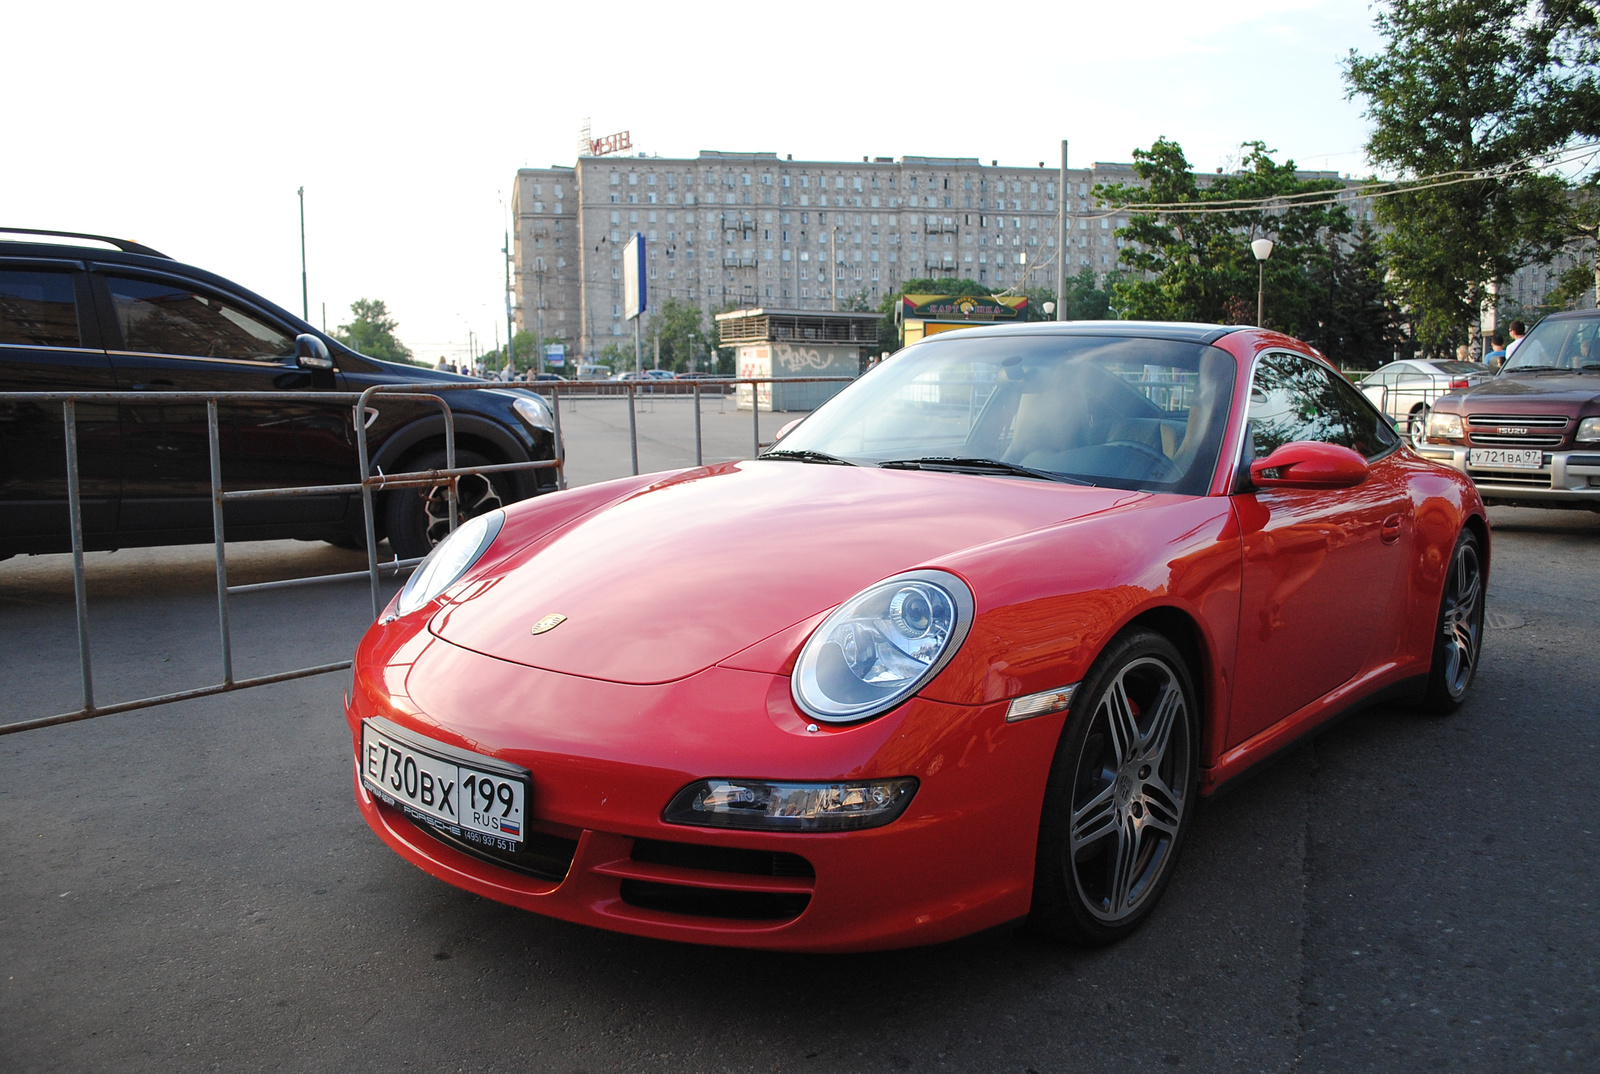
[154, 384]
[1390, 531]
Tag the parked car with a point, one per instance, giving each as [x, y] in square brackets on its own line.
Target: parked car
[93, 314]
[1531, 436]
[1405, 390]
[594, 372]
[967, 648]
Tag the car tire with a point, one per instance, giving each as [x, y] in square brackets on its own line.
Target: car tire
[1458, 636]
[1121, 793]
[416, 519]
[1417, 424]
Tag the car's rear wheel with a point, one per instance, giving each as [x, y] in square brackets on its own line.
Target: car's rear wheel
[419, 518]
[1458, 639]
[1121, 793]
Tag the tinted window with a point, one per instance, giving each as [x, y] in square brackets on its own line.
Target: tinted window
[1293, 398]
[160, 318]
[38, 309]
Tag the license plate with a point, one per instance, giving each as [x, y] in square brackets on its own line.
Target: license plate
[473, 797]
[1508, 458]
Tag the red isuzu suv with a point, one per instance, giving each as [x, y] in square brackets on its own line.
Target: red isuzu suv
[1531, 436]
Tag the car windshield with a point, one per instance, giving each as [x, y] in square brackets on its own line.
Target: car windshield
[1103, 410]
[1461, 367]
[1567, 343]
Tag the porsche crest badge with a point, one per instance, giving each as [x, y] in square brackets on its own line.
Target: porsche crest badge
[549, 622]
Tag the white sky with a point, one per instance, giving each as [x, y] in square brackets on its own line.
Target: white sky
[188, 127]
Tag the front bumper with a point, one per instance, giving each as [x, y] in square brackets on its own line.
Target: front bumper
[1567, 478]
[607, 757]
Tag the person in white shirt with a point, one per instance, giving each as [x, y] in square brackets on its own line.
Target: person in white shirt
[1518, 330]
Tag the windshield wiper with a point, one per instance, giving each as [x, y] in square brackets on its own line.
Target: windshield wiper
[1590, 365]
[964, 465]
[805, 456]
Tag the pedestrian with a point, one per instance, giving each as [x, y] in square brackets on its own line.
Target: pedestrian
[1497, 357]
[1518, 330]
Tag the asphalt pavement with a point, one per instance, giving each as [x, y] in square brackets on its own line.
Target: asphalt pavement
[190, 887]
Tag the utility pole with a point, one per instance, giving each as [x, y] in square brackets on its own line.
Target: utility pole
[833, 269]
[538, 313]
[1061, 237]
[305, 294]
[511, 348]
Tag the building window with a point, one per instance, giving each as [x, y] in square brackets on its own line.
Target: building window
[633, 178]
[615, 178]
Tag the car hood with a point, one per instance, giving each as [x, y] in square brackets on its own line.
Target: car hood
[693, 569]
[1538, 389]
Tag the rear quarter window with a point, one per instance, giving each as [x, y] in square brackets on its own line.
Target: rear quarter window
[38, 309]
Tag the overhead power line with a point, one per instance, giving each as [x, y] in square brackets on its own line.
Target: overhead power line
[1586, 151]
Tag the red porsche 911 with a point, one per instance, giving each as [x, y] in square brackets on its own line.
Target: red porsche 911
[965, 648]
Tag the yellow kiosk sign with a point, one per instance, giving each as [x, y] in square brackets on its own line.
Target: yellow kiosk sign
[921, 316]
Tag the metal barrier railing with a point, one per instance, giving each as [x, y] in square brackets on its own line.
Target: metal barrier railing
[702, 386]
[1403, 406]
[366, 485]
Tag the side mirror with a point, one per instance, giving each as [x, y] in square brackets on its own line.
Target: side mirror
[1307, 464]
[311, 353]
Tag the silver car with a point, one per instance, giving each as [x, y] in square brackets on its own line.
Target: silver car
[1405, 390]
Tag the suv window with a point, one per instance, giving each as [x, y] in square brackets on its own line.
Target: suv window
[161, 318]
[38, 309]
[1293, 398]
[1568, 343]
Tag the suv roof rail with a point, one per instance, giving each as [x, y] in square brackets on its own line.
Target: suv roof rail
[125, 245]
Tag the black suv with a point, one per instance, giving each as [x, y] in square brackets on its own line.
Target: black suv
[111, 315]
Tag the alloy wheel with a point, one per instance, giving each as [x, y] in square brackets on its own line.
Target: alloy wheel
[1461, 624]
[1131, 790]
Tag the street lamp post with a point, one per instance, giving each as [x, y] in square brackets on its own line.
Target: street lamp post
[305, 295]
[1262, 248]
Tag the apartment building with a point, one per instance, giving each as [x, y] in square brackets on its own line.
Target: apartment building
[724, 228]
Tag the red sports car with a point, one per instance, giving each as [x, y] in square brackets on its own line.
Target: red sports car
[964, 649]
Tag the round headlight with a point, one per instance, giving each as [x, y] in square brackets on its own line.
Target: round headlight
[449, 560]
[881, 646]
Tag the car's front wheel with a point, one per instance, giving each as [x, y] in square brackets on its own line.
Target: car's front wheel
[419, 518]
[1458, 637]
[1121, 793]
[1417, 424]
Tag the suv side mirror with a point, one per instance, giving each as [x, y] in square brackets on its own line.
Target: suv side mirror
[311, 353]
[1309, 464]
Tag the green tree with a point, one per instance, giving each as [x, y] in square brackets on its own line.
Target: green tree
[371, 332]
[525, 352]
[1357, 322]
[1474, 87]
[681, 328]
[1198, 266]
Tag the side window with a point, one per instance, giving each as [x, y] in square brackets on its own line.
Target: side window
[38, 309]
[161, 318]
[1293, 398]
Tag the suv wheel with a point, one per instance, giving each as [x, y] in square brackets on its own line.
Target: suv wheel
[419, 518]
